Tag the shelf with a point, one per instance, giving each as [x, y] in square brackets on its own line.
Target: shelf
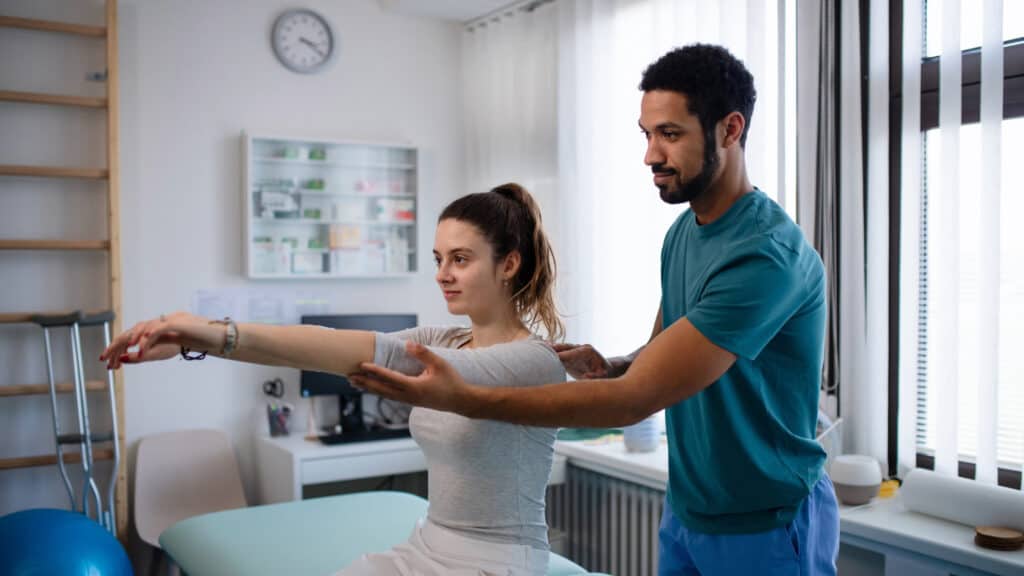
[98, 455]
[363, 194]
[330, 164]
[328, 222]
[53, 99]
[53, 172]
[304, 192]
[39, 389]
[54, 245]
[52, 26]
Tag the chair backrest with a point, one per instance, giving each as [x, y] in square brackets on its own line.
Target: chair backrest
[182, 474]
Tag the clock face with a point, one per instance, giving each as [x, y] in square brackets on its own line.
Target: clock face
[302, 40]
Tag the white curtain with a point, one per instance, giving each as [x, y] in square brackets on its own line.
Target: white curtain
[910, 230]
[863, 211]
[991, 359]
[552, 101]
[612, 220]
[509, 73]
[967, 271]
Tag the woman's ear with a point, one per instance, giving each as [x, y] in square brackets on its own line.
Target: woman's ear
[510, 266]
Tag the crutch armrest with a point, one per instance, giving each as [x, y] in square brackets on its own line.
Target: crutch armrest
[54, 320]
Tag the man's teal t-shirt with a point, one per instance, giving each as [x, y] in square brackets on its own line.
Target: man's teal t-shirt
[743, 452]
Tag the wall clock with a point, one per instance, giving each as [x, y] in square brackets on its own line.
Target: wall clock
[302, 41]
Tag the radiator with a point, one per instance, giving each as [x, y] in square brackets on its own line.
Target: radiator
[610, 525]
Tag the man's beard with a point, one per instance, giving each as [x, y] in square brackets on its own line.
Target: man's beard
[678, 192]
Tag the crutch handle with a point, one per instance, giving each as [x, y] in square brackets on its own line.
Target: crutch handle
[55, 320]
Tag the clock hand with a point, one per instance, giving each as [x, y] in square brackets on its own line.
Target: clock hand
[310, 43]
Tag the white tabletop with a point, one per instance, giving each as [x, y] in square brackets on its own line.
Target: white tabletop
[888, 522]
[306, 449]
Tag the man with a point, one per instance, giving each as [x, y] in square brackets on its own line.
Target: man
[735, 355]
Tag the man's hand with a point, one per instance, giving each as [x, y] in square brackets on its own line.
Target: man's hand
[582, 361]
[439, 386]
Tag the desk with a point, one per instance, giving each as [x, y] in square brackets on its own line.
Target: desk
[887, 527]
[883, 526]
[287, 463]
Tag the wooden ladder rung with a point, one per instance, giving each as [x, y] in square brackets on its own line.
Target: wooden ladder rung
[98, 454]
[53, 172]
[54, 99]
[53, 26]
[54, 245]
[26, 317]
[37, 389]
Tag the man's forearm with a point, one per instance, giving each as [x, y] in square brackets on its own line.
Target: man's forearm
[584, 403]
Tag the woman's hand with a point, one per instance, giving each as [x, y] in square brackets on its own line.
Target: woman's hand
[161, 338]
[582, 361]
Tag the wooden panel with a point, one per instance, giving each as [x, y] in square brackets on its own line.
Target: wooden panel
[98, 454]
[52, 26]
[114, 234]
[53, 172]
[54, 99]
[54, 245]
[15, 317]
[38, 389]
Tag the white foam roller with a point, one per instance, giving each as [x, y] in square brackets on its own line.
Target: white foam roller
[962, 500]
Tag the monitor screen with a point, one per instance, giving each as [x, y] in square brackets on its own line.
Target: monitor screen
[320, 383]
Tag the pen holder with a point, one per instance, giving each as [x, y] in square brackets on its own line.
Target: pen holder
[277, 418]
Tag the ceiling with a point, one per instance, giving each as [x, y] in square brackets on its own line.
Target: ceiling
[458, 10]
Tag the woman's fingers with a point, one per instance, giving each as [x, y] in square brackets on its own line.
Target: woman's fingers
[143, 335]
[120, 345]
[156, 352]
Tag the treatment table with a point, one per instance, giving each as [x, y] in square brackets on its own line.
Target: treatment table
[315, 537]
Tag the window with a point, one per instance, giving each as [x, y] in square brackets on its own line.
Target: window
[972, 250]
[1010, 386]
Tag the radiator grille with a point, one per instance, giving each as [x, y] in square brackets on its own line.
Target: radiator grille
[611, 525]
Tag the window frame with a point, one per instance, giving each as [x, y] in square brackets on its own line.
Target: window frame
[1013, 107]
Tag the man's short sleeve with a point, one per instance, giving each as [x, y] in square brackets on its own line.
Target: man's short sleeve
[745, 303]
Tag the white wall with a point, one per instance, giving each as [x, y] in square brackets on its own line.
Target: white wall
[194, 74]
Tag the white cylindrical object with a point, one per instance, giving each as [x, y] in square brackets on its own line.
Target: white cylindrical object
[642, 436]
[962, 500]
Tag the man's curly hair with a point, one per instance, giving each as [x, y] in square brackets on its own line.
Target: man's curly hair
[714, 82]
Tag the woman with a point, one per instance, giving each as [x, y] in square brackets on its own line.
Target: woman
[487, 480]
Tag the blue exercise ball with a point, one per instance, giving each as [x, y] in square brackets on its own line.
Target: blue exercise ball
[44, 541]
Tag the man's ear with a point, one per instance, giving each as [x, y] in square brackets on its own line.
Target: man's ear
[732, 128]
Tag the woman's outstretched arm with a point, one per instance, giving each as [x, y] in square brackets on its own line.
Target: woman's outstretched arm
[305, 347]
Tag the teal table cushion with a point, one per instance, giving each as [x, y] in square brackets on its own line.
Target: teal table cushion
[307, 537]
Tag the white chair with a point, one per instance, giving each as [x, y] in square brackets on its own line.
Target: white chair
[182, 474]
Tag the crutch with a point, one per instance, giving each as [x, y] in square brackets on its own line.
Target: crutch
[85, 438]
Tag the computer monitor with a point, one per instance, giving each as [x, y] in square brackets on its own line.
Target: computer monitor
[322, 384]
[350, 398]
